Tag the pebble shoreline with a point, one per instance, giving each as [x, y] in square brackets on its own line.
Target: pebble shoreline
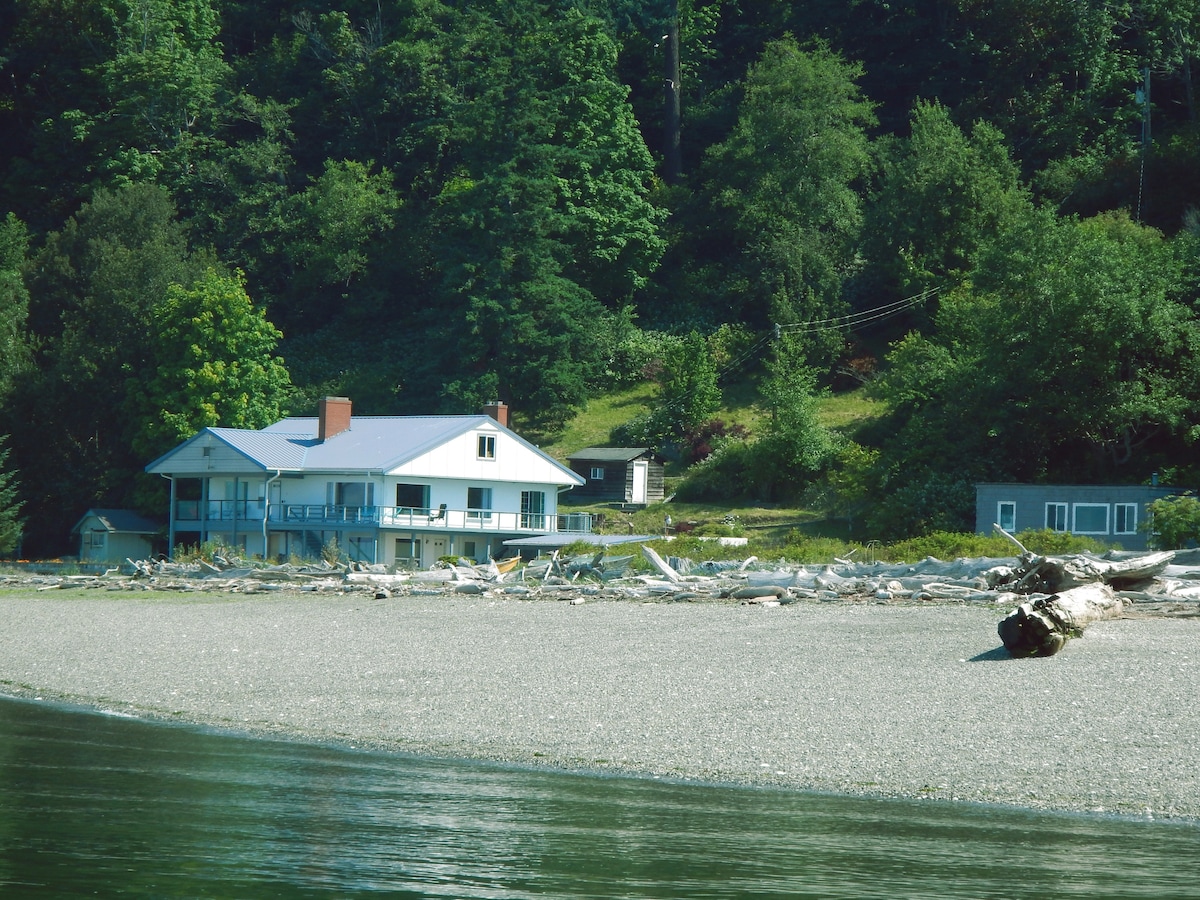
[858, 698]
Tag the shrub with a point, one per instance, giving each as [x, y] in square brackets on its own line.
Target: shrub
[1174, 522]
[207, 551]
[810, 549]
[331, 553]
[952, 545]
[1049, 543]
[698, 443]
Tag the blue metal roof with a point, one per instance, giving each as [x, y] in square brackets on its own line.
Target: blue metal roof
[271, 451]
[370, 444]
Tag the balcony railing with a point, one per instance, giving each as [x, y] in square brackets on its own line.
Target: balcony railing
[219, 510]
[404, 517]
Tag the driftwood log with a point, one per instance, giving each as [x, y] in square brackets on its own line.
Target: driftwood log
[1041, 627]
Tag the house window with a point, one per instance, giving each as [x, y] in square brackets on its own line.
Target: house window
[1125, 518]
[234, 506]
[1006, 515]
[533, 509]
[411, 497]
[408, 552]
[479, 502]
[1056, 516]
[1091, 518]
[350, 493]
[597, 473]
[469, 550]
[486, 447]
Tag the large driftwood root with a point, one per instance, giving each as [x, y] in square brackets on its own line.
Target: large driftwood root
[1042, 627]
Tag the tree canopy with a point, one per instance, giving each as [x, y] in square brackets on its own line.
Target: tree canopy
[440, 203]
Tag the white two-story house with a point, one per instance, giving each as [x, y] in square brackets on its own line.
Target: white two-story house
[395, 490]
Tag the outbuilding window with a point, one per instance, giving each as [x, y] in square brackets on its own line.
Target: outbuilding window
[1006, 515]
[1091, 518]
[1056, 516]
[1125, 518]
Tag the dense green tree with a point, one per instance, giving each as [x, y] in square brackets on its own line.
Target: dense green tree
[543, 225]
[14, 303]
[785, 208]
[1067, 356]
[93, 287]
[328, 232]
[11, 523]
[794, 444]
[211, 363]
[688, 380]
[161, 84]
[1174, 522]
[943, 194]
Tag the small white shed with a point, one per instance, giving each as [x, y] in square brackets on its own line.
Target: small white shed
[112, 535]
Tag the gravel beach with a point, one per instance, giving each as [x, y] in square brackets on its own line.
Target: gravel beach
[855, 698]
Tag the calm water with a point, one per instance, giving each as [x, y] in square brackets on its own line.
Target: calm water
[104, 806]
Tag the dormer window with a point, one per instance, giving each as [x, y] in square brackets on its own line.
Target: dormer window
[486, 447]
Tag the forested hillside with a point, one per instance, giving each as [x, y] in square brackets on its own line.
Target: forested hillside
[214, 212]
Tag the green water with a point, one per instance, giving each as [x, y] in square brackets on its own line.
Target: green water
[102, 806]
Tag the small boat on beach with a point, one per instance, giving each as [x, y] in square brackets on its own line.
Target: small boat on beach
[507, 565]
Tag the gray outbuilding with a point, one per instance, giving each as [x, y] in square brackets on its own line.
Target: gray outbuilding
[113, 535]
[1115, 513]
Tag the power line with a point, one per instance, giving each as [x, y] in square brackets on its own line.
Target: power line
[861, 318]
[836, 323]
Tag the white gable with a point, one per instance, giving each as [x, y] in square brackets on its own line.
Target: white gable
[514, 461]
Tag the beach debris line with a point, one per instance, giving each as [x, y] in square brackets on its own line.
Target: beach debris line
[1154, 583]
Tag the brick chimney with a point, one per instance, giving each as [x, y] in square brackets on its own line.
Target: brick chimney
[333, 416]
[497, 410]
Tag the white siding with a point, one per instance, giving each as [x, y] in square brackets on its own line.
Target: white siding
[514, 462]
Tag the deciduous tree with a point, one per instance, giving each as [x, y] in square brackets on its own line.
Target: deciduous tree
[1067, 355]
[784, 190]
[212, 362]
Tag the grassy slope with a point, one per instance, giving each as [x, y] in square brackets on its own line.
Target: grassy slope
[591, 428]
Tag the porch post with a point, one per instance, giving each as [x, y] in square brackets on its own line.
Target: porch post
[205, 493]
[171, 523]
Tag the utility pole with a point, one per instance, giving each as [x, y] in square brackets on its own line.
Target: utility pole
[672, 160]
[1143, 98]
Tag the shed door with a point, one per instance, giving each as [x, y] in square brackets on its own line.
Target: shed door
[639, 482]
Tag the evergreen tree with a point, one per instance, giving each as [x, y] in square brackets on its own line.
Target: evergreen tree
[14, 303]
[10, 505]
